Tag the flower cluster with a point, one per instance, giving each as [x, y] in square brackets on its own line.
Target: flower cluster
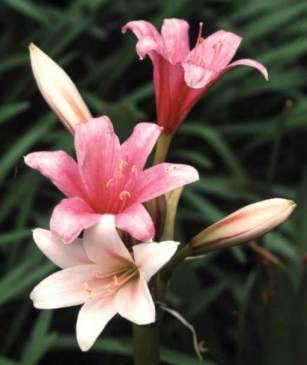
[108, 185]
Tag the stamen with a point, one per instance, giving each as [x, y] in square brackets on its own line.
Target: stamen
[109, 182]
[87, 287]
[115, 280]
[124, 195]
[200, 32]
[122, 166]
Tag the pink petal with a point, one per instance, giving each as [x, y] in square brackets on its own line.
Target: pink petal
[60, 168]
[251, 63]
[162, 178]
[134, 302]
[170, 90]
[137, 222]
[64, 288]
[175, 35]
[141, 28]
[99, 155]
[146, 46]
[151, 257]
[218, 49]
[70, 217]
[197, 77]
[104, 246]
[137, 148]
[62, 255]
[92, 319]
[148, 37]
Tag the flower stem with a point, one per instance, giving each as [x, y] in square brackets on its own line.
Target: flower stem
[162, 148]
[146, 344]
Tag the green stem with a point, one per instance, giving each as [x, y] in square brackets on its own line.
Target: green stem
[146, 344]
[168, 269]
[162, 148]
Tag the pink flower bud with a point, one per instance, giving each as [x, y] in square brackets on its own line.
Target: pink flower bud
[245, 224]
[58, 89]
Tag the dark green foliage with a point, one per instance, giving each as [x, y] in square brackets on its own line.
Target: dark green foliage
[245, 137]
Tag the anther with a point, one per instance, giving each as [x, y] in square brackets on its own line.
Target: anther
[109, 182]
[200, 32]
[124, 195]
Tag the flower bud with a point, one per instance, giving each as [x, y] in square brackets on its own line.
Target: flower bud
[58, 89]
[243, 225]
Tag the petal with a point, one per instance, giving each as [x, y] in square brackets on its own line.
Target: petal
[104, 246]
[60, 168]
[162, 178]
[137, 222]
[137, 148]
[251, 63]
[58, 90]
[54, 248]
[98, 154]
[148, 37]
[218, 49]
[196, 76]
[146, 46]
[150, 257]
[64, 288]
[175, 35]
[70, 217]
[134, 302]
[92, 319]
[170, 90]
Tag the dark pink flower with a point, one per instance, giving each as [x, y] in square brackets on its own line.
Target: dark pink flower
[182, 76]
[108, 178]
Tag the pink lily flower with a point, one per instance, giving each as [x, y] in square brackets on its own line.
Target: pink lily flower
[100, 273]
[108, 178]
[181, 76]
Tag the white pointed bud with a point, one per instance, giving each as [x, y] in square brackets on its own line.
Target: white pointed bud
[243, 225]
[58, 89]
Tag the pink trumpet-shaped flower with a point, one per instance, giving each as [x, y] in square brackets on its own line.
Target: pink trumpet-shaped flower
[245, 224]
[58, 89]
[100, 273]
[108, 178]
[182, 76]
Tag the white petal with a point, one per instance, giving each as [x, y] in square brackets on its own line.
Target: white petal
[150, 257]
[64, 288]
[54, 248]
[92, 319]
[104, 246]
[134, 302]
[58, 89]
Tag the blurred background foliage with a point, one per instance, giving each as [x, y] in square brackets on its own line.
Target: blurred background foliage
[247, 137]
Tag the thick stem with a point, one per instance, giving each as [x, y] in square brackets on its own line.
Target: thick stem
[162, 148]
[146, 344]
